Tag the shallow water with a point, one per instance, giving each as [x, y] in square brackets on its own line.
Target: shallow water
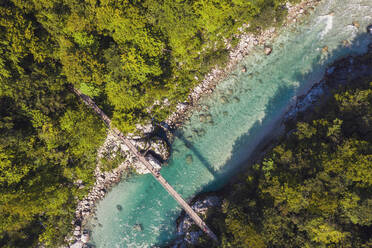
[242, 110]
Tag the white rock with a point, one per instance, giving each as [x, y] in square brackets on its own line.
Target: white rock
[77, 244]
[154, 162]
[85, 238]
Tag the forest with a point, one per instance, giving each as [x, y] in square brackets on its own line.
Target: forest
[314, 188]
[129, 55]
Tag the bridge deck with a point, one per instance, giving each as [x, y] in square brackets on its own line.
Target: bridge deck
[89, 102]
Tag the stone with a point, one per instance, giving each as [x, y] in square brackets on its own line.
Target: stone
[208, 117]
[85, 238]
[189, 159]
[77, 244]
[181, 106]
[236, 99]
[201, 132]
[244, 69]
[356, 24]
[119, 207]
[268, 50]
[138, 227]
[202, 118]
[325, 49]
[223, 99]
[154, 162]
[346, 43]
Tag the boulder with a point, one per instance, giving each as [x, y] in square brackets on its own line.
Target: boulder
[138, 227]
[325, 49]
[77, 244]
[119, 207]
[268, 50]
[223, 99]
[201, 132]
[208, 117]
[85, 238]
[154, 162]
[189, 159]
[346, 43]
[356, 24]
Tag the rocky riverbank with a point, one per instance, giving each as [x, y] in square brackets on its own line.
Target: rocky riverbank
[105, 180]
[157, 148]
[338, 74]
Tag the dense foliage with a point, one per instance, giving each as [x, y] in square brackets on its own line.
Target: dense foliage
[127, 55]
[314, 189]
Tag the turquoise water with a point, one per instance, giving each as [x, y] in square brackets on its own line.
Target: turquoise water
[254, 101]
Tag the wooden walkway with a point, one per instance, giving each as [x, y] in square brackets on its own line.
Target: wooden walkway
[89, 102]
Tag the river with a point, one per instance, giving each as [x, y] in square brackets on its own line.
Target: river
[213, 145]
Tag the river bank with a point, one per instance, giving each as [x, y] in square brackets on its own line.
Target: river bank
[337, 75]
[106, 180]
[247, 43]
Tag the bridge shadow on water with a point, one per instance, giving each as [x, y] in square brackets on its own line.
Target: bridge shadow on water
[196, 152]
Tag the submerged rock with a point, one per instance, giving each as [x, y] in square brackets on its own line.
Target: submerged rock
[138, 227]
[346, 43]
[225, 113]
[268, 50]
[224, 99]
[202, 118]
[189, 159]
[119, 207]
[236, 99]
[201, 132]
[208, 117]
